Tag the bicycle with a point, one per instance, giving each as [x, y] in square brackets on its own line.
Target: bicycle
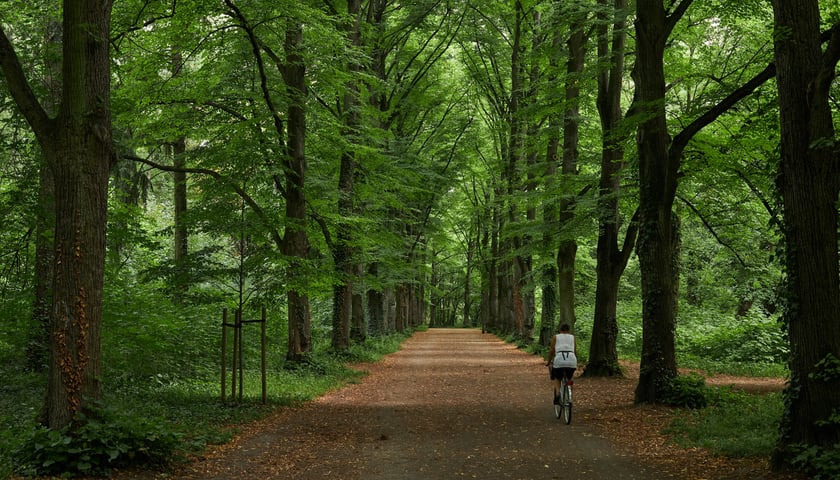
[563, 402]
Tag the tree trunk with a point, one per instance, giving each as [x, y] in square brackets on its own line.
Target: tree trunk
[376, 305]
[37, 349]
[402, 308]
[358, 330]
[567, 250]
[179, 180]
[658, 182]
[809, 187]
[295, 240]
[611, 260]
[343, 254]
[468, 320]
[512, 273]
[550, 209]
[77, 145]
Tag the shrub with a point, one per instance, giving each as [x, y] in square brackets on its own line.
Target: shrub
[687, 391]
[95, 444]
[820, 463]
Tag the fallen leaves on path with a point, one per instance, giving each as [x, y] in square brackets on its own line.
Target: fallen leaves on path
[637, 430]
[282, 446]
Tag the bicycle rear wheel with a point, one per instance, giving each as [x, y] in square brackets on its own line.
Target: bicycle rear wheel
[567, 403]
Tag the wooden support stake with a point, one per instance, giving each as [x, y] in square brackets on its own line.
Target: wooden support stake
[262, 359]
[235, 356]
[224, 347]
[239, 324]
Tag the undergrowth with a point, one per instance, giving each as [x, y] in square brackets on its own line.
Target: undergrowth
[734, 424]
[162, 391]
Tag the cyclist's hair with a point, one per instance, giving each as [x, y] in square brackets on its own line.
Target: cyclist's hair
[565, 327]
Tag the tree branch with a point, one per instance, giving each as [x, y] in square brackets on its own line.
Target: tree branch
[20, 89]
[630, 237]
[681, 140]
[275, 234]
[712, 230]
[774, 215]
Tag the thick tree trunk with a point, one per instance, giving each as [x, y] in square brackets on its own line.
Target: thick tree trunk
[808, 181]
[358, 331]
[402, 308]
[658, 182]
[78, 146]
[566, 282]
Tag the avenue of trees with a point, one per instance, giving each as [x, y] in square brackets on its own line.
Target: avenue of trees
[369, 166]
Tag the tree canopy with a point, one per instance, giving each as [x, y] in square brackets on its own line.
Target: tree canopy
[367, 166]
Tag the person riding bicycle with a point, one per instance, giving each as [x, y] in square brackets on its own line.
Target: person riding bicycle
[562, 357]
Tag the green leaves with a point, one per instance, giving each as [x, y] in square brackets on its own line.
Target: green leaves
[93, 445]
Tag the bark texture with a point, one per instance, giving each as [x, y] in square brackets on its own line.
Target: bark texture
[809, 186]
[78, 147]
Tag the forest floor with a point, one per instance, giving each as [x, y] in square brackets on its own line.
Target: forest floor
[456, 403]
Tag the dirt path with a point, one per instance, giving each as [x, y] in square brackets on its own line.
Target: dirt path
[460, 404]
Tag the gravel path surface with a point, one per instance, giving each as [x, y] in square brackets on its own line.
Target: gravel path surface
[456, 403]
[450, 404]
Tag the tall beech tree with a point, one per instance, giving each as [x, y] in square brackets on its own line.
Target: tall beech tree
[809, 183]
[660, 155]
[290, 136]
[78, 147]
[612, 258]
[576, 45]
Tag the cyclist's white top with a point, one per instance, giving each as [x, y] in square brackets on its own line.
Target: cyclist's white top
[564, 351]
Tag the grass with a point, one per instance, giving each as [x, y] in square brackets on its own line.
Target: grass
[734, 425]
[178, 384]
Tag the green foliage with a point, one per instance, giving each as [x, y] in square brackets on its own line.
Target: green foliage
[827, 369]
[714, 341]
[734, 424]
[687, 391]
[95, 444]
[821, 463]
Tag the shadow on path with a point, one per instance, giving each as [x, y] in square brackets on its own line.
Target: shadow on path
[451, 404]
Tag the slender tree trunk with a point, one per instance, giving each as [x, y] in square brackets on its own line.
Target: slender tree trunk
[494, 314]
[343, 254]
[567, 250]
[179, 179]
[37, 350]
[809, 186]
[295, 239]
[468, 320]
[550, 209]
[511, 271]
[376, 304]
[611, 260]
